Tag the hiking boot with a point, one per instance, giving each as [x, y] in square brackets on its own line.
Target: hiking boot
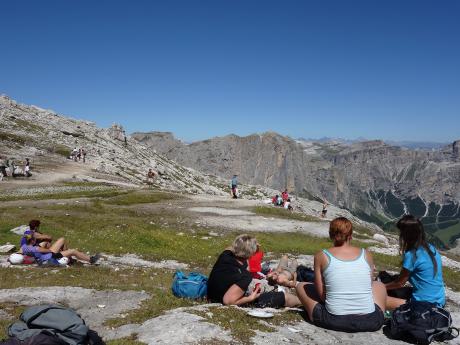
[94, 258]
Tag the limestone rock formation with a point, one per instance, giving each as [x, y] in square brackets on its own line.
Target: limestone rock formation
[376, 181]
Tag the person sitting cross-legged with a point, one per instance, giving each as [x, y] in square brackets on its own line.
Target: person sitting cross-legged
[344, 296]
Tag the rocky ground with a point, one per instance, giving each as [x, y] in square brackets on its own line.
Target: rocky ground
[203, 323]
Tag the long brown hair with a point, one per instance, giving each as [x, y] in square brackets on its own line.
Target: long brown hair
[412, 236]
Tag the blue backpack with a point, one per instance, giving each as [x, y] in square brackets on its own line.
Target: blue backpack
[194, 286]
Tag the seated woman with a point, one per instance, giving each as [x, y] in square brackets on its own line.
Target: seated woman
[230, 278]
[421, 265]
[54, 252]
[344, 296]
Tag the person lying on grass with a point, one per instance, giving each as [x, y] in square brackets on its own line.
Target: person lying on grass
[344, 296]
[55, 252]
[229, 279]
[421, 266]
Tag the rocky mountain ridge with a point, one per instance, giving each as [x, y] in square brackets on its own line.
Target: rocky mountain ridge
[47, 138]
[376, 181]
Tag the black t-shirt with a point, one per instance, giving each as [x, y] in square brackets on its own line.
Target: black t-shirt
[226, 272]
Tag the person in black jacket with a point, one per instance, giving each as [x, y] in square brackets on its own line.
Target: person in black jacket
[230, 279]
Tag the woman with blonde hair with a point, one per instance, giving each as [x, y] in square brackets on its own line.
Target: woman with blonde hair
[230, 278]
[344, 296]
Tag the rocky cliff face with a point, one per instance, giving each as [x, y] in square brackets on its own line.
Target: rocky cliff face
[29, 131]
[378, 182]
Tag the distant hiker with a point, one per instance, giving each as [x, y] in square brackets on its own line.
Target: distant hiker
[275, 199]
[12, 168]
[421, 266]
[2, 168]
[151, 176]
[230, 279]
[344, 296]
[27, 168]
[324, 211]
[83, 153]
[79, 154]
[234, 184]
[55, 252]
[125, 138]
[279, 201]
[285, 195]
[287, 205]
[74, 154]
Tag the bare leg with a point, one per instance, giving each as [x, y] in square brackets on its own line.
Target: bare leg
[291, 300]
[392, 302]
[73, 252]
[380, 294]
[56, 247]
[308, 297]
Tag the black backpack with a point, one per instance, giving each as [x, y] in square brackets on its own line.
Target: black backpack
[421, 323]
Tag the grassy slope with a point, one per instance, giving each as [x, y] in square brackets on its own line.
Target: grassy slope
[114, 224]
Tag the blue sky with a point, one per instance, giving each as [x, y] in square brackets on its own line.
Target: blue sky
[375, 69]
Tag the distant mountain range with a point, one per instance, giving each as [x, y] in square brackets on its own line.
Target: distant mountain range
[416, 145]
[377, 181]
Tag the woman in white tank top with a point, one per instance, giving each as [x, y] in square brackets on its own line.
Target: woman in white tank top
[344, 296]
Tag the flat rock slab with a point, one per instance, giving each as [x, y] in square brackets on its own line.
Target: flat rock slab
[264, 224]
[221, 211]
[132, 260]
[94, 306]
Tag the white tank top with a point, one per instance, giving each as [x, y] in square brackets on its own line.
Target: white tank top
[348, 285]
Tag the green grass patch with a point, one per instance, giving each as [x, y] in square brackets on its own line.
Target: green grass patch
[70, 194]
[18, 139]
[280, 212]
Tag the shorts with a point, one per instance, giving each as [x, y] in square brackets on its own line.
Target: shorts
[348, 323]
[272, 299]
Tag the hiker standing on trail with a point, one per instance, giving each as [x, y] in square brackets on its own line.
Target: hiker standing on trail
[83, 153]
[12, 167]
[2, 168]
[27, 168]
[74, 154]
[235, 186]
[324, 211]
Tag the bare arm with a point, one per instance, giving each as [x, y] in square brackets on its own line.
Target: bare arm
[235, 296]
[370, 261]
[320, 262]
[400, 282]
[42, 237]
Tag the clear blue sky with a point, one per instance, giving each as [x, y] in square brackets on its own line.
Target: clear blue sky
[376, 69]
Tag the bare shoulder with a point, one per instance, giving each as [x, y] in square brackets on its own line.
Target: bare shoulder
[320, 257]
